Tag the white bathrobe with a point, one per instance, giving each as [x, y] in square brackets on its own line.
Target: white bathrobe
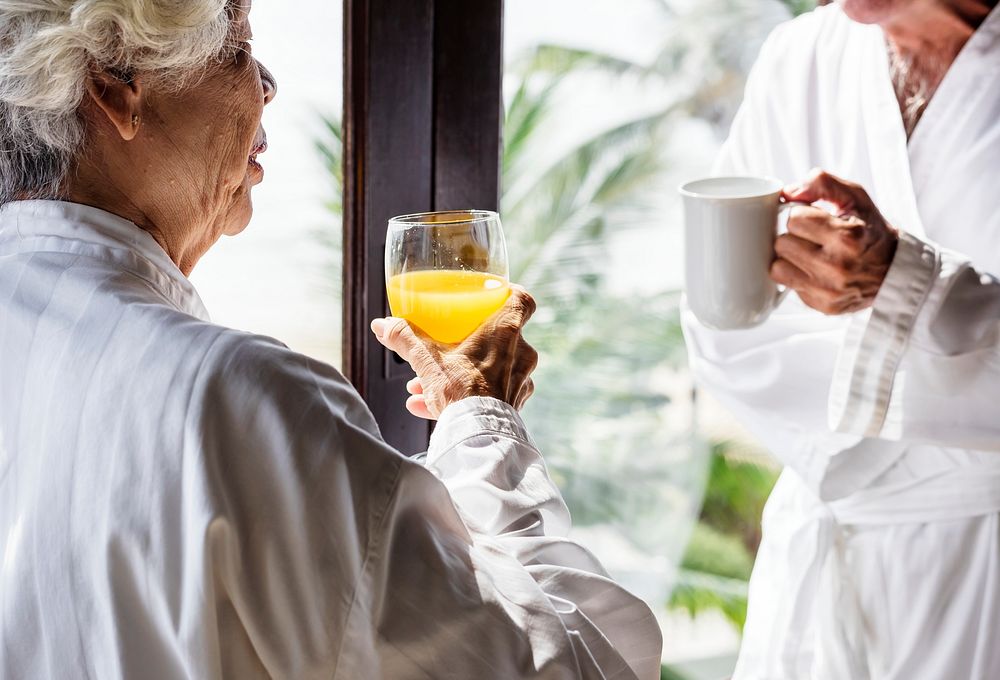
[180, 500]
[881, 549]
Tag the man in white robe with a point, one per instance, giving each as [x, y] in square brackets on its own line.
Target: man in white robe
[881, 540]
[179, 500]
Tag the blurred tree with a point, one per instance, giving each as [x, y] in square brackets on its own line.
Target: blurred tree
[601, 350]
[716, 566]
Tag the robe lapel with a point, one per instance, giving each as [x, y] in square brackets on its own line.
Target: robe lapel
[960, 120]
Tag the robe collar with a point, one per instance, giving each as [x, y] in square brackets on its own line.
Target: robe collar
[980, 54]
[894, 164]
[61, 226]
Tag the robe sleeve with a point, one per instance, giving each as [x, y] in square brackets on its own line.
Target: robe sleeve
[498, 481]
[923, 365]
[335, 556]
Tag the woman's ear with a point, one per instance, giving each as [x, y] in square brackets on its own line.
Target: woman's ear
[119, 99]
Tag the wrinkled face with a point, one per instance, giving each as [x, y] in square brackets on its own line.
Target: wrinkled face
[209, 135]
[875, 11]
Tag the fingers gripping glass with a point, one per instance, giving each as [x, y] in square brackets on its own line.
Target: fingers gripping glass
[446, 272]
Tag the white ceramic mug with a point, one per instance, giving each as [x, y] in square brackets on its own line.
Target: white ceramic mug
[730, 227]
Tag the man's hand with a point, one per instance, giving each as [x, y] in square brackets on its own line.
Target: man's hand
[495, 361]
[836, 263]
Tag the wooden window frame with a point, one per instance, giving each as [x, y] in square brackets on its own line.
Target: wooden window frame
[423, 110]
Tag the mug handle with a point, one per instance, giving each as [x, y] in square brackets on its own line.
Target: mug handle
[782, 292]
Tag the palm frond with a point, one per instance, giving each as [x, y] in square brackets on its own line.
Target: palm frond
[330, 148]
[628, 176]
[561, 228]
[526, 110]
[579, 156]
[707, 593]
[559, 60]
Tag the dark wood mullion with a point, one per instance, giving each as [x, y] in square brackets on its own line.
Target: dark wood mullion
[468, 103]
[422, 118]
[388, 142]
[355, 288]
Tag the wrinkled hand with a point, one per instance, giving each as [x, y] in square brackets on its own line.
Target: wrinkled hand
[836, 263]
[495, 361]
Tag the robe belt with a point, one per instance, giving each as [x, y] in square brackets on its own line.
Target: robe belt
[960, 493]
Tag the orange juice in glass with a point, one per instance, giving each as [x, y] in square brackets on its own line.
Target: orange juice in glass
[446, 272]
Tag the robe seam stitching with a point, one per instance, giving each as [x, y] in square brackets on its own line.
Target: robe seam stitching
[125, 269]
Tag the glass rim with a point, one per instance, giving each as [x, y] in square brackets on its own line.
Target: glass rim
[420, 219]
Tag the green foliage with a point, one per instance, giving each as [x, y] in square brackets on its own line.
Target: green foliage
[330, 148]
[797, 7]
[735, 495]
[557, 208]
[599, 351]
[600, 413]
[667, 674]
[714, 552]
[697, 593]
[716, 565]
[714, 575]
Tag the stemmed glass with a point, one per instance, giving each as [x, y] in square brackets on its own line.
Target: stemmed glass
[446, 272]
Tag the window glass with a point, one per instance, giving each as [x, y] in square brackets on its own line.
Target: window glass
[281, 277]
[610, 106]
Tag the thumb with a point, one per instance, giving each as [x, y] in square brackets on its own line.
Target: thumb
[396, 335]
[822, 186]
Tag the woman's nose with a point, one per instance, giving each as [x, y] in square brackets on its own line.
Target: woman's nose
[270, 84]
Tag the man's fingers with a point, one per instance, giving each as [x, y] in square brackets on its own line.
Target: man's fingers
[813, 294]
[818, 226]
[830, 302]
[787, 274]
[800, 252]
[822, 186]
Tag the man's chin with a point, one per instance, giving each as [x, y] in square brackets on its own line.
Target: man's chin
[870, 11]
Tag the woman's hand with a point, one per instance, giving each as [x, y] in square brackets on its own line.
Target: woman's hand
[495, 361]
[836, 263]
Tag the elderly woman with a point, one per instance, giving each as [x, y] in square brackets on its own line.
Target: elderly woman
[180, 500]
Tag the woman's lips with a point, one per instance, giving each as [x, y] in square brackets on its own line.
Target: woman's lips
[255, 166]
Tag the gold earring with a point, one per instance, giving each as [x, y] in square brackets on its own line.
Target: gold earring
[135, 120]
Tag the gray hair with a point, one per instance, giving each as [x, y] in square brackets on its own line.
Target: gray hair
[47, 50]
